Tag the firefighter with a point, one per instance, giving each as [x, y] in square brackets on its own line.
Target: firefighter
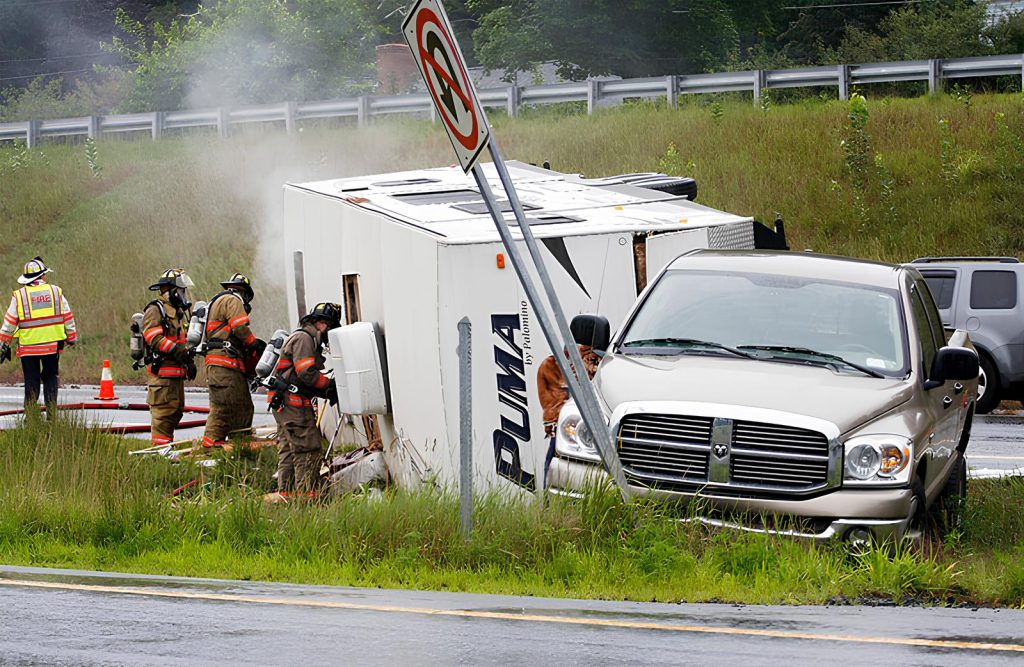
[300, 367]
[164, 333]
[231, 352]
[40, 318]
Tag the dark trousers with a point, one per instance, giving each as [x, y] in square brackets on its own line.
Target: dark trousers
[45, 369]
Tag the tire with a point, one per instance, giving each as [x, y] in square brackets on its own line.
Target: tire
[988, 382]
[949, 506]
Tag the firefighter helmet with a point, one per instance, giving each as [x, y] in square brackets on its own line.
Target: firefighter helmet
[241, 283]
[175, 282]
[326, 311]
[172, 278]
[34, 270]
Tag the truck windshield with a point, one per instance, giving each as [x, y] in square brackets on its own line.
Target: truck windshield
[850, 327]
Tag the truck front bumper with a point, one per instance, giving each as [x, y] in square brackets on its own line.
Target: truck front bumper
[852, 515]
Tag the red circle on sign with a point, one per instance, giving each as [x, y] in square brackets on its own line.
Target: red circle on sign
[425, 16]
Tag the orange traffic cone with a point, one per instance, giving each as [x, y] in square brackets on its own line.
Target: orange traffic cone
[106, 384]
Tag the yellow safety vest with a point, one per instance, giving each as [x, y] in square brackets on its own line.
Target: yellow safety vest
[40, 318]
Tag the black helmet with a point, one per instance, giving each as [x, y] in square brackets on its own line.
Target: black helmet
[172, 278]
[176, 282]
[326, 311]
[240, 282]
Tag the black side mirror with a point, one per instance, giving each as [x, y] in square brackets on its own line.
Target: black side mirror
[592, 330]
[953, 363]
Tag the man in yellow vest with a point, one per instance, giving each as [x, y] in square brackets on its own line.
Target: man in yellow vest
[40, 318]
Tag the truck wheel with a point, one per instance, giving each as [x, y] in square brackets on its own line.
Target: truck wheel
[950, 504]
[988, 385]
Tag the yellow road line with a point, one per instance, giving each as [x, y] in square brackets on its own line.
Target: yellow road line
[532, 618]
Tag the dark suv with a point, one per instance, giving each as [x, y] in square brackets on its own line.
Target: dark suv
[985, 296]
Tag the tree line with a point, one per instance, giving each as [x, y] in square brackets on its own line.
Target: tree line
[139, 55]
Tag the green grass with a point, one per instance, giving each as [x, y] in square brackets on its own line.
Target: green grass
[213, 206]
[74, 498]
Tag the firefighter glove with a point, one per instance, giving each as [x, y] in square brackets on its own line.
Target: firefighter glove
[5, 352]
[190, 370]
[181, 354]
[332, 392]
[258, 346]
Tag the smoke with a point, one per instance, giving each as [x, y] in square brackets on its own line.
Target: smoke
[252, 167]
[56, 38]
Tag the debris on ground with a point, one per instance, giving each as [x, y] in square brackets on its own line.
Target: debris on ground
[354, 470]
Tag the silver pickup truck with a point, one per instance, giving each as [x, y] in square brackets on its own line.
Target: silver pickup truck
[795, 393]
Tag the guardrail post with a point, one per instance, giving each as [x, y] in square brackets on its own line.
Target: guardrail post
[93, 127]
[289, 117]
[844, 82]
[672, 91]
[363, 116]
[223, 120]
[760, 85]
[158, 124]
[593, 95]
[512, 101]
[32, 133]
[934, 75]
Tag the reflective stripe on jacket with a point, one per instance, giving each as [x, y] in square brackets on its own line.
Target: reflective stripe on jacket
[228, 322]
[162, 335]
[300, 364]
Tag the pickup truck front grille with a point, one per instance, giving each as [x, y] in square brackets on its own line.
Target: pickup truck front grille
[673, 445]
[774, 455]
[683, 451]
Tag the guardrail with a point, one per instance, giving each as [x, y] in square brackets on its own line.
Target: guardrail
[512, 98]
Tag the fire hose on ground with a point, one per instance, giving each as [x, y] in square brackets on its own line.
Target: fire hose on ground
[124, 428]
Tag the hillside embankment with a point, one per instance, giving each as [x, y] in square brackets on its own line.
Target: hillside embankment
[882, 179]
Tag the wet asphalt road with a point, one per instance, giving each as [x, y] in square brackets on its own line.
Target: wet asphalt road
[109, 619]
[997, 445]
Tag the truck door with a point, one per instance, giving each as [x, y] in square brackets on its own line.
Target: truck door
[943, 403]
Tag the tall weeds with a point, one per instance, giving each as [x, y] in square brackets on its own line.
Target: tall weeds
[74, 498]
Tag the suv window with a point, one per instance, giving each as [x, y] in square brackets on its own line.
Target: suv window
[994, 290]
[941, 284]
[924, 330]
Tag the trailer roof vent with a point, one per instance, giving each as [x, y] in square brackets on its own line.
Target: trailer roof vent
[407, 181]
[552, 219]
[480, 207]
[438, 197]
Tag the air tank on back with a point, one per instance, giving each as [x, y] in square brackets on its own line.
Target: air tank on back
[268, 361]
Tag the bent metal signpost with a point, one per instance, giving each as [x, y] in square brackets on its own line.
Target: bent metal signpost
[430, 36]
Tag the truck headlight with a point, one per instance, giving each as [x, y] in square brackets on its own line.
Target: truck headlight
[573, 438]
[877, 459]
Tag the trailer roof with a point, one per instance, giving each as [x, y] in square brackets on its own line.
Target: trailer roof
[445, 202]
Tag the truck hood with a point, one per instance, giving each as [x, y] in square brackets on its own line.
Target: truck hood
[844, 399]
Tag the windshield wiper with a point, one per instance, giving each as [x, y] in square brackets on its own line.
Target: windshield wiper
[814, 353]
[684, 343]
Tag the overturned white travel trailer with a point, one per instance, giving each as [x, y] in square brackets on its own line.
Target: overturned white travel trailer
[412, 253]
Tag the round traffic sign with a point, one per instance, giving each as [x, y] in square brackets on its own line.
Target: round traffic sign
[447, 79]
